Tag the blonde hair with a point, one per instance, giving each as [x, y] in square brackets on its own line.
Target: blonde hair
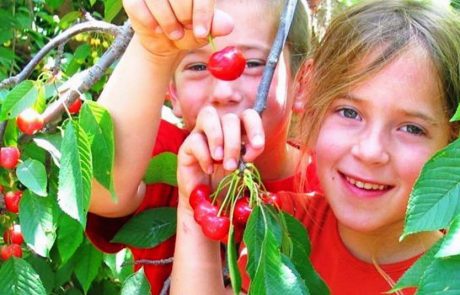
[384, 29]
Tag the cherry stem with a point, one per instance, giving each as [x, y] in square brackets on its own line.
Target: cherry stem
[274, 55]
[212, 43]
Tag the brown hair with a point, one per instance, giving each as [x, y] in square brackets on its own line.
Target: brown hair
[390, 26]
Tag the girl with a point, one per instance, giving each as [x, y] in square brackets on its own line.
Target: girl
[383, 85]
[170, 44]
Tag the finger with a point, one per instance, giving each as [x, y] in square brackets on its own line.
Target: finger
[222, 24]
[197, 148]
[252, 124]
[208, 122]
[232, 140]
[183, 12]
[203, 13]
[137, 10]
[166, 19]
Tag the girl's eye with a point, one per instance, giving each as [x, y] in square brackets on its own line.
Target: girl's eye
[254, 63]
[413, 129]
[349, 113]
[198, 67]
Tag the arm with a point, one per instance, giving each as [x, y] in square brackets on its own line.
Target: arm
[197, 267]
[135, 93]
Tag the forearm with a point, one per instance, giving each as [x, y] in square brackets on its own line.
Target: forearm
[197, 267]
[134, 96]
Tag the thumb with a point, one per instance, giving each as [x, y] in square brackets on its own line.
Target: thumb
[222, 24]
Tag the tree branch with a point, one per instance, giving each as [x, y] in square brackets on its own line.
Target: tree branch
[274, 55]
[84, 80]
[60, 39]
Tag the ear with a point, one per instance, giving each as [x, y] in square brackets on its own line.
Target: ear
[302, 85]
[172, 95]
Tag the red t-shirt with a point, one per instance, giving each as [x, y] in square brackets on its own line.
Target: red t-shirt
[101, 230]
[343, 273]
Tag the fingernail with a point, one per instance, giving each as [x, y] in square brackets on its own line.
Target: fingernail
[176, 35]
[257, 141]
[218, 153]
[200, 31]
[230, 164]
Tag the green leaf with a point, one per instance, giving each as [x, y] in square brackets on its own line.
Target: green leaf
[52, 144]
[75, 173]
[44, 270]
[111, 9]
[412, 276]
[260, 224]
[32, 174]
[97, 123]
[21, 97]
[87, 265]
[301, 256]
[136, 284]
[270, 272]
[82, 52]
[54, 4]
[11, 133]
[434, 201]
[441, 277]
[232, 256]
[451, 243]
[17, 277]
[148, 229]
[68, 19]
[70, 237]
[162, 169]
[37, 222]
[120, 264]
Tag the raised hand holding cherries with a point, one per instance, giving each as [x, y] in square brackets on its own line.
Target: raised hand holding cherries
[244, 191]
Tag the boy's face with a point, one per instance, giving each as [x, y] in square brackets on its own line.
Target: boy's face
[253, 34]
[374, 141]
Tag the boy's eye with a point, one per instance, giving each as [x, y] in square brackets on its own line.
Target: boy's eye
[197, 67]
[413, 129]
[254, 63]
[349, 113]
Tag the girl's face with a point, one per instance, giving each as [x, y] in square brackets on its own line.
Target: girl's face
[375, 139]
[195, 87]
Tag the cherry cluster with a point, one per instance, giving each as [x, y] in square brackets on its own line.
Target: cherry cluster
[244, 190]
[13, 239]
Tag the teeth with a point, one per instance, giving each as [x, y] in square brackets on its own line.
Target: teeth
[366, 185]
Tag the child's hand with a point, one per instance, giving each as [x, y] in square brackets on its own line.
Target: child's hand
[166, 28]
[217, 139]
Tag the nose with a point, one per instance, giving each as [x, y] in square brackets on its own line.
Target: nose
[371, 148]
[225, 92]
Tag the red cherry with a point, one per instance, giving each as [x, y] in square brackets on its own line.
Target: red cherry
[199, 194]
[242, 211]
[30, 121]
[9, 157]
[215, 227]
[204, 209]
[272, 199]
[7, 251]
[13, 235]
[12, 201]
[75, 106]
[227, 64]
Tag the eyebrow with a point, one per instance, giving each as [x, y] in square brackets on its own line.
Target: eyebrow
[202, 50]
[412, 113]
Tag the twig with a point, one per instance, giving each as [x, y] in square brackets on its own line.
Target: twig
[55, 42]
[166, 285]
[155, 262]
[84, 80]
[274, 55]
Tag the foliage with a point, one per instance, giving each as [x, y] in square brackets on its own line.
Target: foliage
[58, 163]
